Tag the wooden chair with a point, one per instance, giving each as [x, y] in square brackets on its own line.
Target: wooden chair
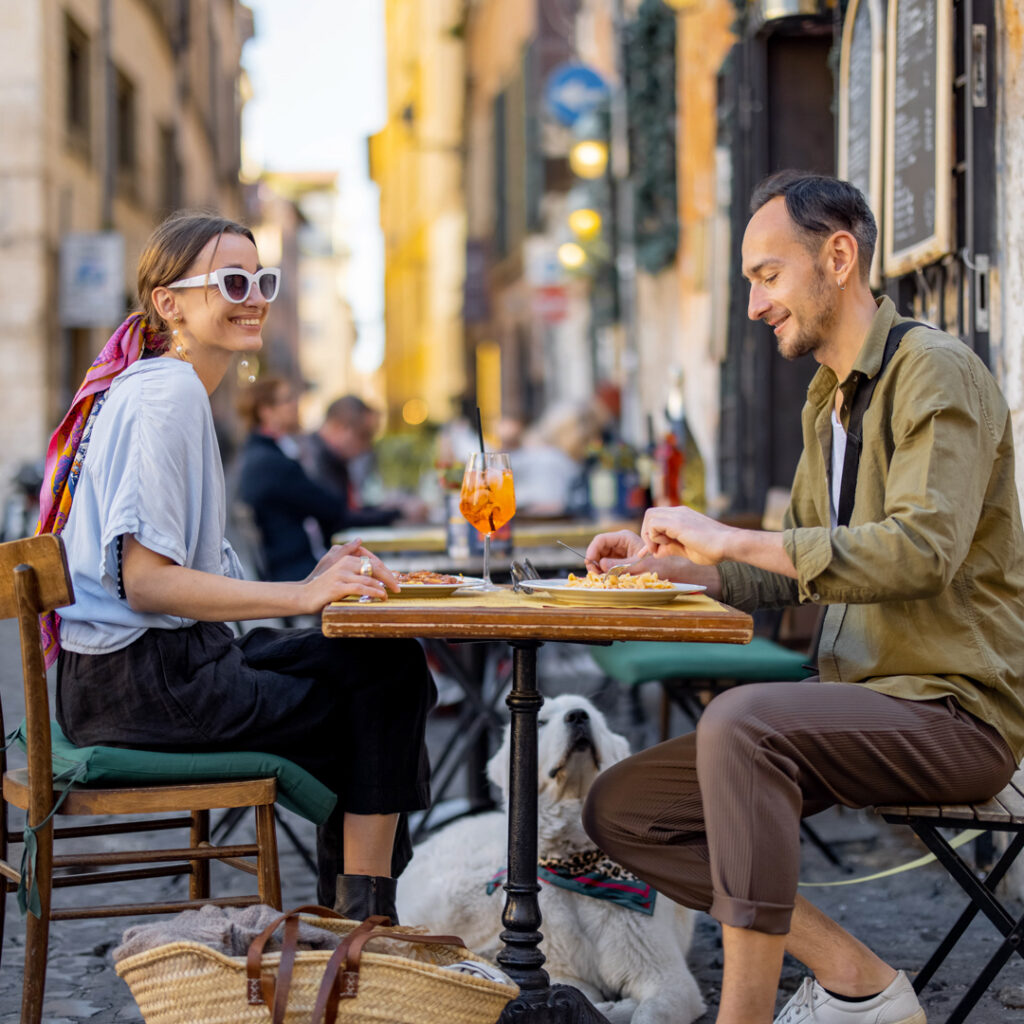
[1003, 813]
[34, 579]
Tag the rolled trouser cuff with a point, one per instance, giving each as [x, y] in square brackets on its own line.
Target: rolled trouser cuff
[770, 918]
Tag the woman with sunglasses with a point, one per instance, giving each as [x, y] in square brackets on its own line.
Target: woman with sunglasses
[144, 656]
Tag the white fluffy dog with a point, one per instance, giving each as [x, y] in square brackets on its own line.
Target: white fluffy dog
[631, 965]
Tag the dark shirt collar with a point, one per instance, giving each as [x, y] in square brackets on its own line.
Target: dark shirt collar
[869, 358]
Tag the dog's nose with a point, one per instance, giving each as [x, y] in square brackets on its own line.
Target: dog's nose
[576, 717]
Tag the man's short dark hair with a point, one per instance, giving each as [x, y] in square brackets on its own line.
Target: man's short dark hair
[350, 410]
[820, 206]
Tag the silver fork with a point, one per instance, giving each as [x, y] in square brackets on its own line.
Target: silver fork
[615, 570]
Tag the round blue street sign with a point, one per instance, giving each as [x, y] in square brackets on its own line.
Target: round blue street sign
[573, 90]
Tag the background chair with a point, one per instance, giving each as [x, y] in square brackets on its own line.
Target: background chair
[34, 579]
[690, 674]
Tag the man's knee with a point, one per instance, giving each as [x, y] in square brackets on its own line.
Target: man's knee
[610, 794]
[741, 714]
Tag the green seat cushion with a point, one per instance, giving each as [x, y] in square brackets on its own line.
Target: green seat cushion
[634, 661]
[296, 788]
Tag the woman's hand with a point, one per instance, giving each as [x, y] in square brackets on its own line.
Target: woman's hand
[339, 575]
[336, 553]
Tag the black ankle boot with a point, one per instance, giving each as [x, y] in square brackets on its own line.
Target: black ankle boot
[358, 897]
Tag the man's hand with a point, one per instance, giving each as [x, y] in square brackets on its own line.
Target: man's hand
[681, 532]
[608, 549]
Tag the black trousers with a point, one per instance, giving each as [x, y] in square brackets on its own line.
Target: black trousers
[351, 712]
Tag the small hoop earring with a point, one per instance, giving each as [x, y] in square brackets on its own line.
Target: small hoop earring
[842, 285]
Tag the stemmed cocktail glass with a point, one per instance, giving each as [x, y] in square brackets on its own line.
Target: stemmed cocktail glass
[488, 499]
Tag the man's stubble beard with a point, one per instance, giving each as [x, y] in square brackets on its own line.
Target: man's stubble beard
[814, 334]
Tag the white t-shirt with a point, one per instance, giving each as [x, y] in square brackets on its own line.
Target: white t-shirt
[838, 461]
[152, 470]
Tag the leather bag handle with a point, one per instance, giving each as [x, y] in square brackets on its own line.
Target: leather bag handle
[341, 983]
[260, 987]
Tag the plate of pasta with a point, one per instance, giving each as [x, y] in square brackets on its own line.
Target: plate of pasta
[604, 589]
[424, 583]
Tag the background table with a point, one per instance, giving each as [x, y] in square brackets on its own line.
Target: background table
[525, 623]
[407, 548]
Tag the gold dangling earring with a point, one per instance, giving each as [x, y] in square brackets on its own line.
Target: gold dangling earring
[244, 366]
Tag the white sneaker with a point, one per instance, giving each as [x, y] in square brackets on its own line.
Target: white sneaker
[897, 1004]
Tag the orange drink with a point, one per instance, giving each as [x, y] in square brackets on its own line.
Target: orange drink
[488, 499]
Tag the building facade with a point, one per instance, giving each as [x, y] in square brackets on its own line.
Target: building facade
[115, 113]
[417, 161]
[758, 86]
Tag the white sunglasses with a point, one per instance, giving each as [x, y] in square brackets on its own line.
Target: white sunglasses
[235, 284]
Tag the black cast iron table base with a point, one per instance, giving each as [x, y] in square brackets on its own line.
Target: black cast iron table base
[538, 1002]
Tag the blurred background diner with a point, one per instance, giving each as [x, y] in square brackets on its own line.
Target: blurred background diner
[292, 513]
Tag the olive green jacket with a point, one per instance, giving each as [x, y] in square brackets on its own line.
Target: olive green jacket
[925, 588]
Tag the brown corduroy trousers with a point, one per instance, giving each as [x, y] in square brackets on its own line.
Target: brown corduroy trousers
[712, 819]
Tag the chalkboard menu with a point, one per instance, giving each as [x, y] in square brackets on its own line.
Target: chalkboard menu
[861, 105]
[918, 166]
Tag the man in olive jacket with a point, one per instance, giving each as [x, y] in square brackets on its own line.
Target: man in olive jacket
[918, 697]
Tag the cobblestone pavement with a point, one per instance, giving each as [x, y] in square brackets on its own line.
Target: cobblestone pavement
[902, 917]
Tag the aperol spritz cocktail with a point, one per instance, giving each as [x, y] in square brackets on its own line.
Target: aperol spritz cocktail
[488, 499]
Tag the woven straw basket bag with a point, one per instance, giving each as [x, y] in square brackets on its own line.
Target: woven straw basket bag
[189, 983]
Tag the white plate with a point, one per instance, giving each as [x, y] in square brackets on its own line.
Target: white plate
[435, 589]
[559, 590]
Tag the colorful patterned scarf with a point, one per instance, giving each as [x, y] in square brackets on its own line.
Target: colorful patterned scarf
[592, 873]
[69, 443]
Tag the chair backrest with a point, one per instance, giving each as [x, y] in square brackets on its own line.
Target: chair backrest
[34, 579]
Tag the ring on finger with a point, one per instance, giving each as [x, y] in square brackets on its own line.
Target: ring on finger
[365, 566]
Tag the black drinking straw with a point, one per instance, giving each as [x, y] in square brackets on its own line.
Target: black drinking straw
[479, 428]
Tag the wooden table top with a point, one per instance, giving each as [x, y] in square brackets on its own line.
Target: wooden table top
[504, 615]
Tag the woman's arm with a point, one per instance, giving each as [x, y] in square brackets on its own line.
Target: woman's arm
[155, 584]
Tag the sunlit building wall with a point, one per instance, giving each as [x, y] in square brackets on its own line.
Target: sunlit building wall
[695, 295]
[501, 334]
[521, 298]
[83, 150]
[416, 160]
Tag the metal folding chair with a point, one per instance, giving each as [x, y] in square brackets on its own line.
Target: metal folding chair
[1003, 813]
